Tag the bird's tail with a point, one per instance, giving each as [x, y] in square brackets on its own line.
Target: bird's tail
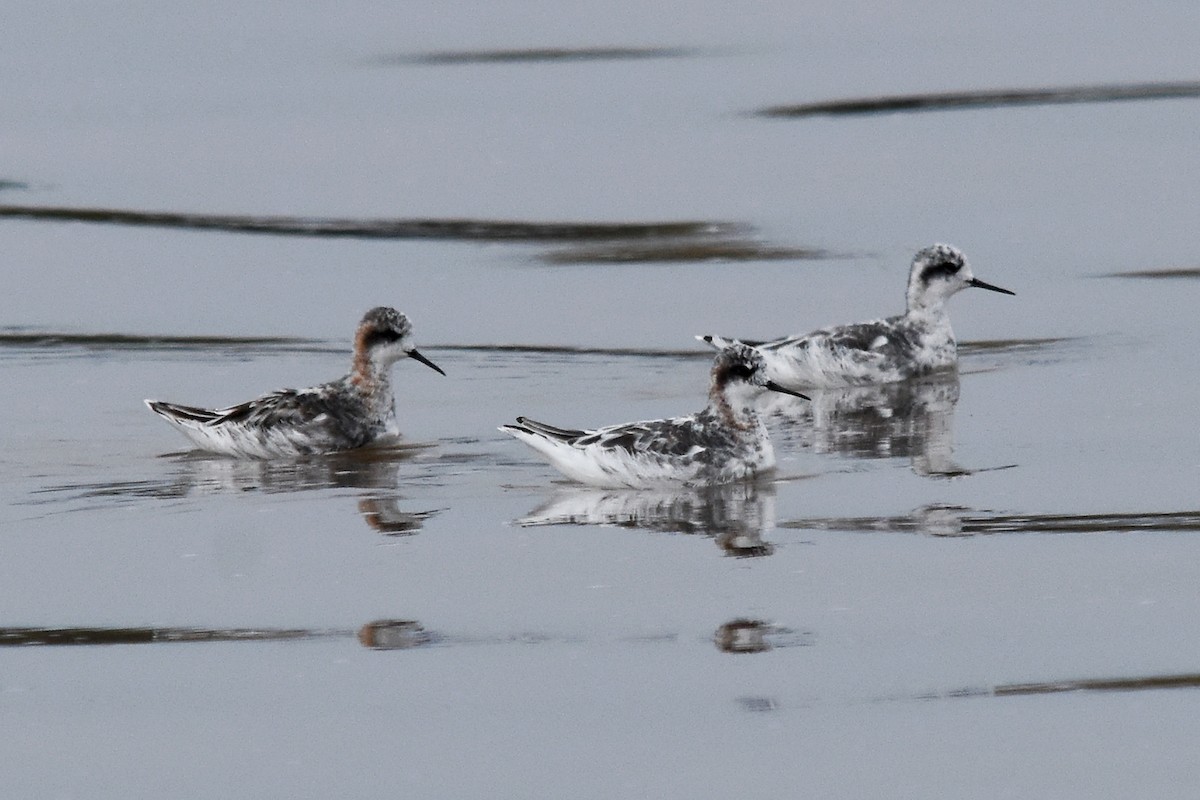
[530, 426]
[181, 415]
[715, 342]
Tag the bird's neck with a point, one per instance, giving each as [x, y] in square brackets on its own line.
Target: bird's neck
[373, 380]
[927, 307]
[735, 409]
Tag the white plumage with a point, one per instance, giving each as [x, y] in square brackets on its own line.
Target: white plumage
[723, 443]
[884, 350]
[354, 411]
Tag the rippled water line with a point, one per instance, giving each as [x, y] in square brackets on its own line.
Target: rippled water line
[23, 338]
[993, 98]
[686, 251]
[738, 636]
[1158, 274]
[955, 521]
[534, 55]
[451, 229]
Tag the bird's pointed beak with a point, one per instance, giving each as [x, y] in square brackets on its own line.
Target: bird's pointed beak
[415, 354]
[978, 284]
[775, 387]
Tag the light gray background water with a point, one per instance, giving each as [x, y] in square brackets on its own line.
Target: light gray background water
[581, 660]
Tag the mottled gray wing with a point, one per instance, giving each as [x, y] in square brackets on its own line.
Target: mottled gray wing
[870, 339]
[325, 412]
[287, 406]
[668, 437]
[875, 337]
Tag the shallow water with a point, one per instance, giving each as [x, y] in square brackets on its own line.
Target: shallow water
[974, 585]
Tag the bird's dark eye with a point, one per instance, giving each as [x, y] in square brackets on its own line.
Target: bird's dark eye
[943, 269]
[742, 371]
[378, 337]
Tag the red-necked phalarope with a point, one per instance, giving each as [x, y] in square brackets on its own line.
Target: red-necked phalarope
[723, 443]
[354, 411]
[880, 351]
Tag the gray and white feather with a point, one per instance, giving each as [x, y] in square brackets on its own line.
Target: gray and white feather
[354, 411]
[916, 342]
[725, 442]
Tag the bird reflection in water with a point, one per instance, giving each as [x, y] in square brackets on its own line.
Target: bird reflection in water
[744, 635]
[736, 515]
[375, 471]
[911, 419]
[384, 634]
[394, 634]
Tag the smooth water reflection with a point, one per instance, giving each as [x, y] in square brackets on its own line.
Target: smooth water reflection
[735, 636]
[912, 419]
[738, 636]
[195, 473]
[735, 515]
[592, 642]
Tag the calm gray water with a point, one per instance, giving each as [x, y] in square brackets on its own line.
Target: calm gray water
[977, 586]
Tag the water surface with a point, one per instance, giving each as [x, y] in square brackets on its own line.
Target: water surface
[975, 585]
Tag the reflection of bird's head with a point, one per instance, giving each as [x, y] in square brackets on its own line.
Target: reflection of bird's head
[394, 634]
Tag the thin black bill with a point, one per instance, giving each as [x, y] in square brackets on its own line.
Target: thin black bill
[978, 284]
[775, 387]
[415, 354]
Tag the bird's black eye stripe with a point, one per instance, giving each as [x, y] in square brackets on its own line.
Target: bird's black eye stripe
[742, 371]
[942, 270]
[378, 337]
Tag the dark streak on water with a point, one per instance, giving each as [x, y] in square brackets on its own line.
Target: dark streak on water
[740, 636]
[378, 635]
[534, 55]
[939, 520]
[92, 636]
[128, 341]
[1180, 681]
[10, 184]
[675, 251]
[287, 344]
[446, 229]
[986, 99]
[283, 344]
[1184, 680]
[736, 636]
[1158, 274]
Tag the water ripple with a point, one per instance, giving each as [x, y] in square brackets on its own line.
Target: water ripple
[992, 98]
[946, 520]
[366, 228]
[1158, 274]
[534, 55]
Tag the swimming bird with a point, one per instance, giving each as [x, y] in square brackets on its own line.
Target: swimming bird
[880, 351]
[725, 442]
[354, 411]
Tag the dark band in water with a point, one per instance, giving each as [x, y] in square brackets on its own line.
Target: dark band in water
[944, 101]
[460, 229]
